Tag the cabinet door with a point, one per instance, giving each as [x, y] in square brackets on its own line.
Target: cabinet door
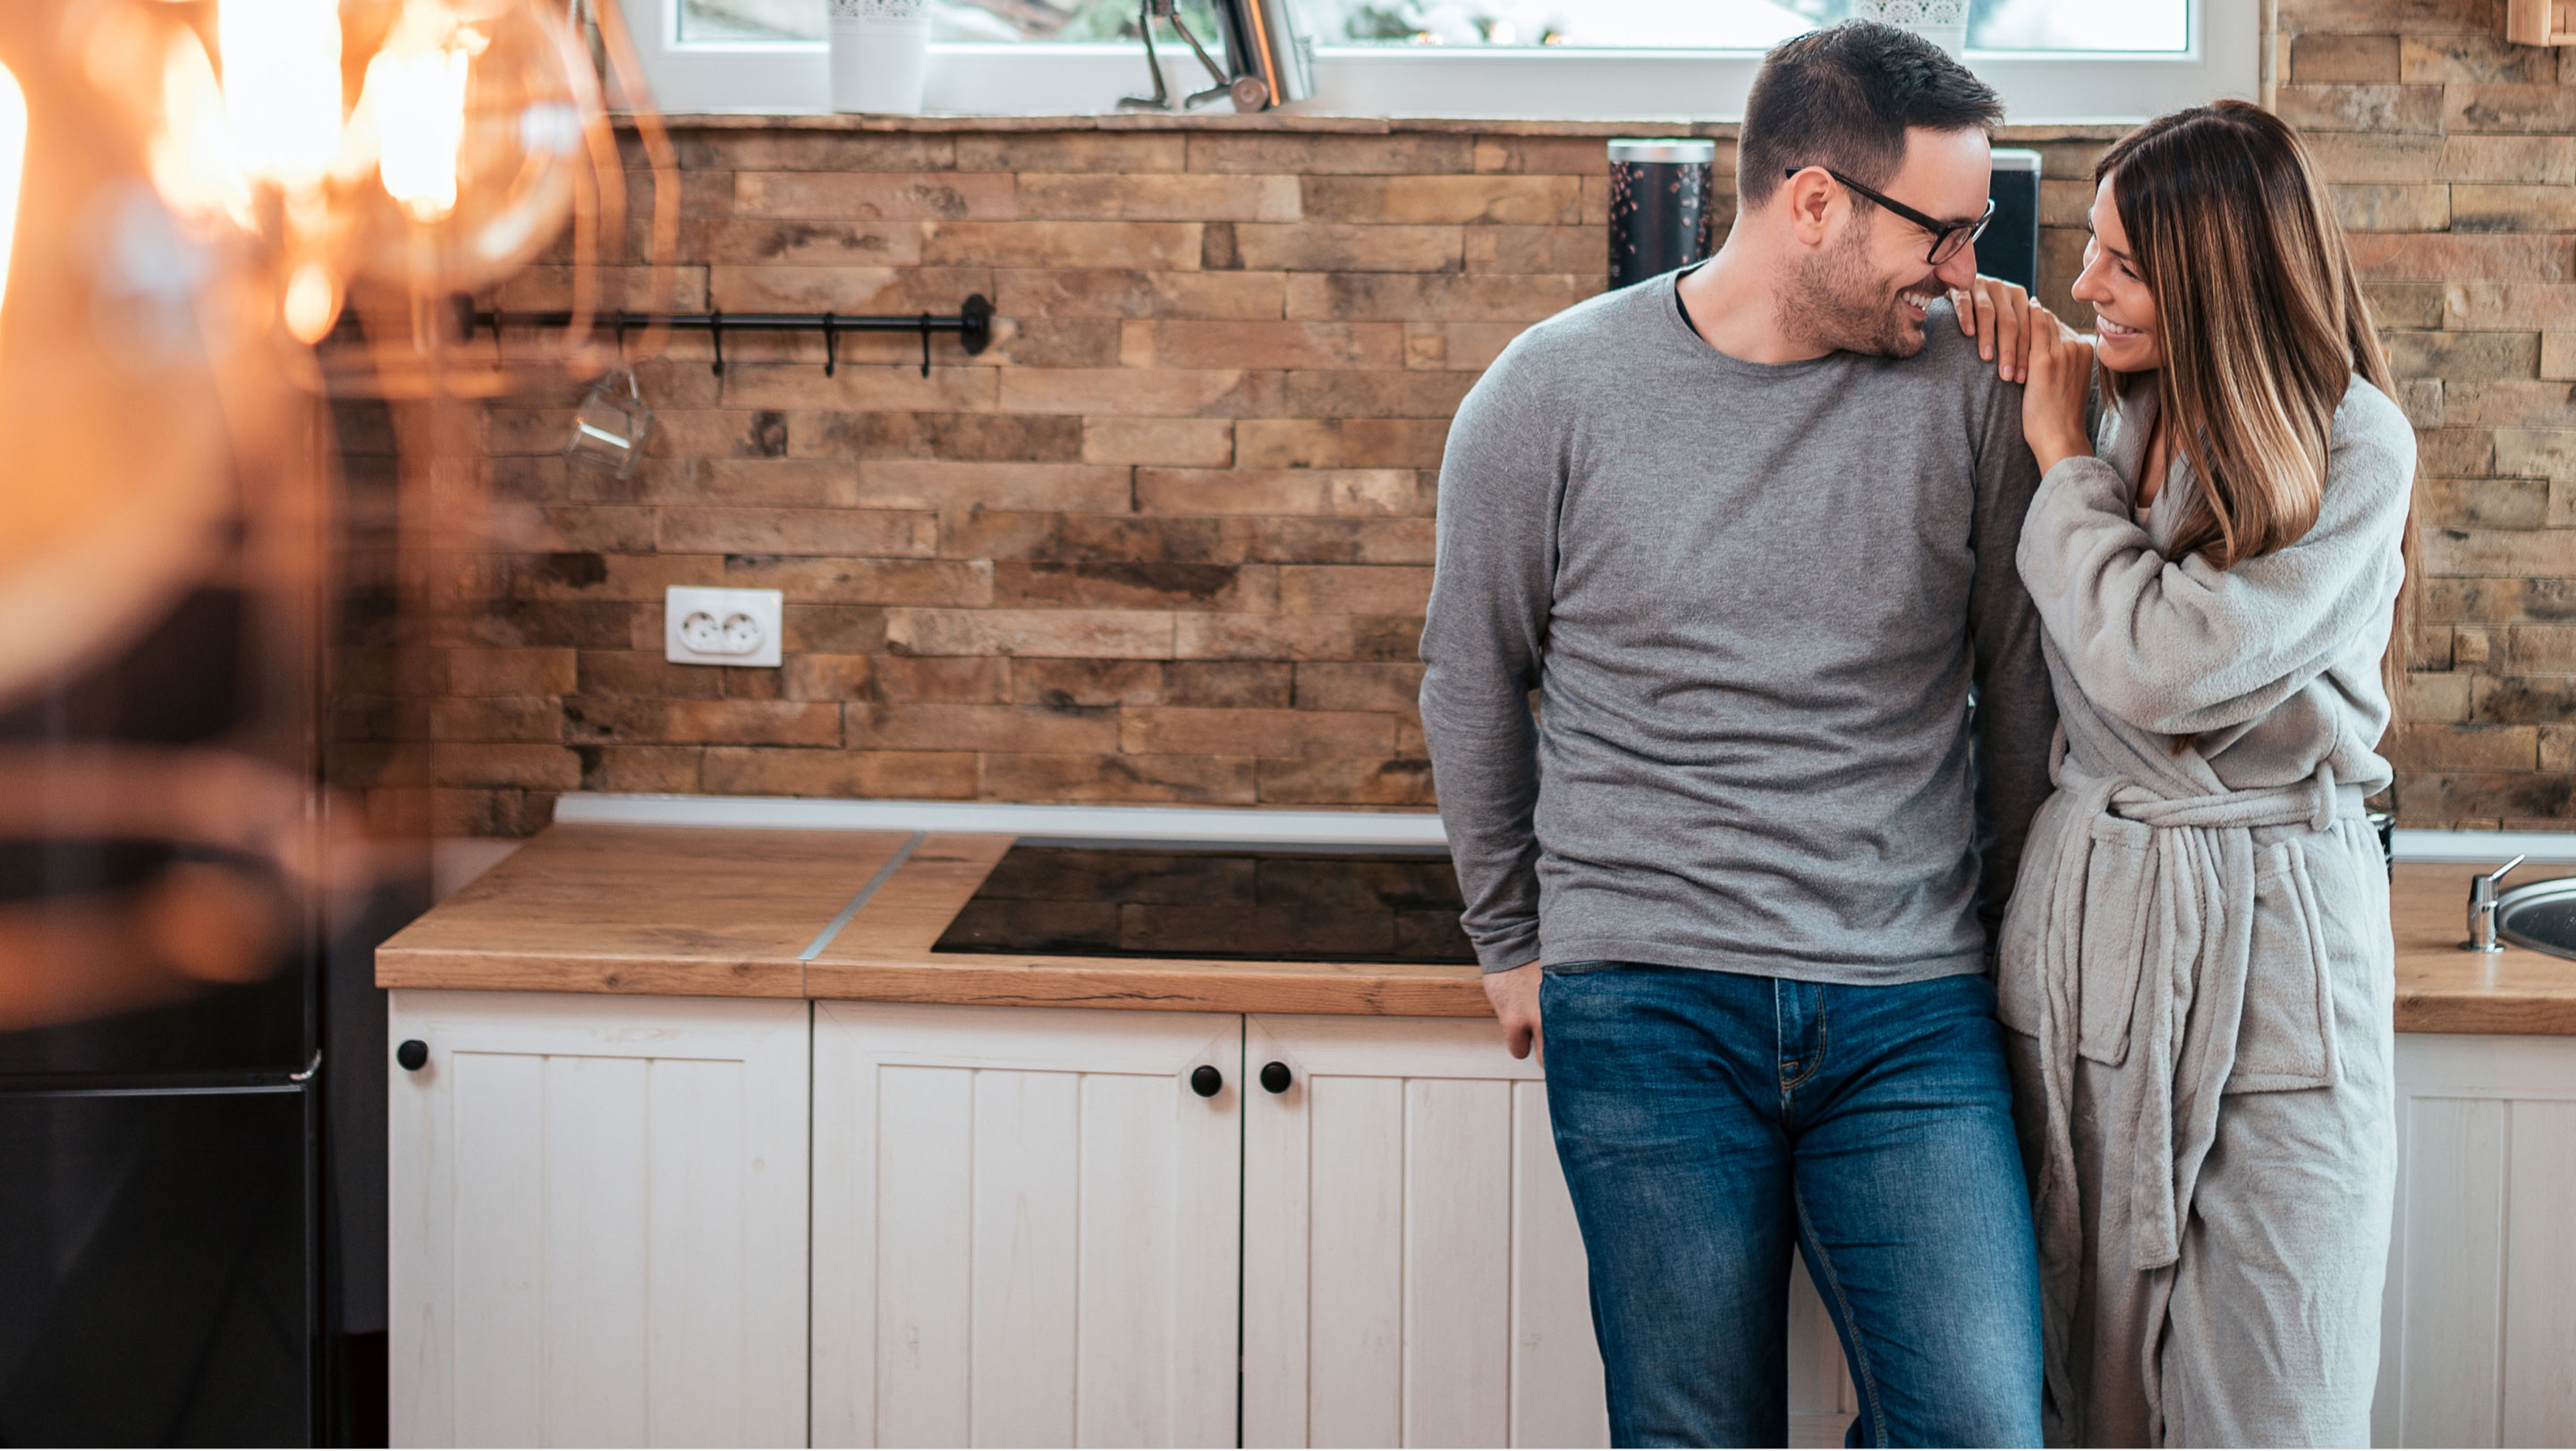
[2477, 1343]
[1026, 1227]
[599, 1221]
[1412, 1271]
[1413, 1275]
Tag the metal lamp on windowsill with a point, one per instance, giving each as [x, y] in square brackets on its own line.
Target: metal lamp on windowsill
[1266, 62]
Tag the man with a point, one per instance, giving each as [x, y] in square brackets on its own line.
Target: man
[1749, 533]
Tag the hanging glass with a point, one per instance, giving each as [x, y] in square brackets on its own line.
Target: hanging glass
[609, 428]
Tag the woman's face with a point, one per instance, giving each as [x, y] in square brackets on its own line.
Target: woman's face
[2124, 312]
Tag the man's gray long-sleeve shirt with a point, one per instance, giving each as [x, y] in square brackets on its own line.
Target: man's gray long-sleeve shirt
[1753, 600]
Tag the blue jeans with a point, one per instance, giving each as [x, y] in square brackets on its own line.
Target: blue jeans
[1707, 1119]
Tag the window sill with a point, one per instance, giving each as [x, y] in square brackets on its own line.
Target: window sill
[1283, 121]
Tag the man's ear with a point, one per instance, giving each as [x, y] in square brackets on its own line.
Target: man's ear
[1812, 199]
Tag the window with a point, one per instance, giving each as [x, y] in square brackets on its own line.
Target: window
[2053, 60]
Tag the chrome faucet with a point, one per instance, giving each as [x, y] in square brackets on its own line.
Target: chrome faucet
[2482, 909]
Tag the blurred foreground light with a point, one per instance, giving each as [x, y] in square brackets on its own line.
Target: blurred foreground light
[191, 164]
[418, 95]
[489, 135]
[13, 161]
[312, 302]
[281, 88]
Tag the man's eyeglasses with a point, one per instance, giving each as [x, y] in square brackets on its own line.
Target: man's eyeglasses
[1947, 237]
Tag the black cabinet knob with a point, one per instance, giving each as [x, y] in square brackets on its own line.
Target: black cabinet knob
[412, 1054]
[1205, 1081]
[1275, 1077]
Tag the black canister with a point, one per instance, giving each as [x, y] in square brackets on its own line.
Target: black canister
[1662, 212]
[2010, 247]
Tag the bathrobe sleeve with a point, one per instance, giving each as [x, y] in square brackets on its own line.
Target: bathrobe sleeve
[2179, 646]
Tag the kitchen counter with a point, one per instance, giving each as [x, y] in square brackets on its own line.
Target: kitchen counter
[722, 912]
[2441, 989]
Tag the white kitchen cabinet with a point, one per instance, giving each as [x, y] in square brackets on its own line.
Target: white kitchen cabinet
[2478, 1334]
[598, 1221]
[1413, 1275]
[1026, 1227]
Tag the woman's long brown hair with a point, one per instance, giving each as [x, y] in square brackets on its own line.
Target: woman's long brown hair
[2263, 325]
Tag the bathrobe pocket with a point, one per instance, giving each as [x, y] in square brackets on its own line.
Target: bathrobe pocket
[2114, 943]
[2286, 1039]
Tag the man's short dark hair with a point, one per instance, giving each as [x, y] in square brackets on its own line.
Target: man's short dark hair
[1843, 98]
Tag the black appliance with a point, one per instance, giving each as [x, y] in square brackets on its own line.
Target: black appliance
[1264, 903]
[167, 1265]
[2010, 247]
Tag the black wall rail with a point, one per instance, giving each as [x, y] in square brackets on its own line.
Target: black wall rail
[973, 324]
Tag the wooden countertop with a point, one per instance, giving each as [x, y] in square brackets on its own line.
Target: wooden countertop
[720, 912]
[738, 913]
[641, 909]
[2441, 989]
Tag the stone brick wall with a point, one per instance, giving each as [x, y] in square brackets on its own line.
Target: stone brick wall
[1169, 539]
[2453, 155]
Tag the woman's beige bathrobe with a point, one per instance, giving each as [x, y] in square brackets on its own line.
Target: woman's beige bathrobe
[2197, 961]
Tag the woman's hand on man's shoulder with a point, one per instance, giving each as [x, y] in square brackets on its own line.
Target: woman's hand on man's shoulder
[2059, 385]
[1998, 315]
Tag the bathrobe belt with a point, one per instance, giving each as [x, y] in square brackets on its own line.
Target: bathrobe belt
[2193, 885]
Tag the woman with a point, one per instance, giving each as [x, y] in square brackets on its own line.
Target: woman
[2197, 961]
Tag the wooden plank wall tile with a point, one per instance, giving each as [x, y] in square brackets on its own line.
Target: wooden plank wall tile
[1207, 436]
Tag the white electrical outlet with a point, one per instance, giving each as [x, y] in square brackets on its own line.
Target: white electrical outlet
[721, 626]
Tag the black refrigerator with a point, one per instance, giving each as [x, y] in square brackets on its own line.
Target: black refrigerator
[168, 1267]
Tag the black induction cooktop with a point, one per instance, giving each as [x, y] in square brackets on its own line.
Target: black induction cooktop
[1089, 899]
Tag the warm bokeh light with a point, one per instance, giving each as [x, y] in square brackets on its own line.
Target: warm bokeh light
[312, 302]
[417, 93]
[281, 87]
[13, 159]
[191, 165]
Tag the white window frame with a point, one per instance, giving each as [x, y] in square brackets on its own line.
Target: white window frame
[2038, 88]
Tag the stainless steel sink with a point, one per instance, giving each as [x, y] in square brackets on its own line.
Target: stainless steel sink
[2541, 916]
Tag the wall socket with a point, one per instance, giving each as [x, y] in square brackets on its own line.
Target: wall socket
[721, 626]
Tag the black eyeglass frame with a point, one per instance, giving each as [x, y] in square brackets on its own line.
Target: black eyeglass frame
[1941, 249]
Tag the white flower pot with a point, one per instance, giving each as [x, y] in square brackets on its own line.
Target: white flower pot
[1942, 22]
[880, 54]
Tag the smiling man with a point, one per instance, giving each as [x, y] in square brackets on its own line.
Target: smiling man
[1749, 532]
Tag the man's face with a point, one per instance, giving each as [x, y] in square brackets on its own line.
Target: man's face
[1867, 287]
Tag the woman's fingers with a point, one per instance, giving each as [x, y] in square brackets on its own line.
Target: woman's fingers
[2052, 405]
[2020, 330]
[1985, 320]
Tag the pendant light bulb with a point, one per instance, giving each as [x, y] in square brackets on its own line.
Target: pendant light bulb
[189, 158]
[419, 99]
[281, 83]
[13, 160]
[485, 126]
[312, 302]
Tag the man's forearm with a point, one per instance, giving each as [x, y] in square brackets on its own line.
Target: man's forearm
[1484, 765]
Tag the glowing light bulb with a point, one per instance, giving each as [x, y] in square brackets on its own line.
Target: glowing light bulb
[191, 165]
[13, 158]
[312, 302]
[418, 97]
[281, 87]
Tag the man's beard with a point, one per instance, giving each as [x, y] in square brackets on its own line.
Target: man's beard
[1838, 302]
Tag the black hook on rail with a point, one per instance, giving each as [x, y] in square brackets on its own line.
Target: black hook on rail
[972, 322]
